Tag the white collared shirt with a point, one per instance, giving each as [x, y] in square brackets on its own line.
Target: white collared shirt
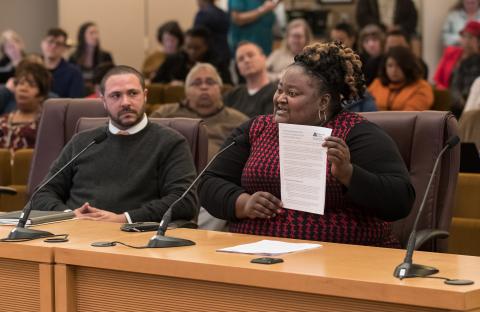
[132, 130]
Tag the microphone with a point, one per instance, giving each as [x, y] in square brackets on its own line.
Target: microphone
[408, 268]
[22, 233]
[162, 241]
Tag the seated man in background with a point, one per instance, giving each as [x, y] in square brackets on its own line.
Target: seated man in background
[255, 97]
[135, 174]
[345, 33]
[67, 80]
[204, 100]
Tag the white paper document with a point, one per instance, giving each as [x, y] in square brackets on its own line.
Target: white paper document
[303, 167]
[269, 248]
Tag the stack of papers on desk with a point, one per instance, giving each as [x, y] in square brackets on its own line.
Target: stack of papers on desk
[269, 248]
[36, 217]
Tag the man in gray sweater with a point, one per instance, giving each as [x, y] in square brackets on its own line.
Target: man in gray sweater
[133, 175]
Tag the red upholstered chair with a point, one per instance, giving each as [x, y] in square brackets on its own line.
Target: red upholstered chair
[420, 136]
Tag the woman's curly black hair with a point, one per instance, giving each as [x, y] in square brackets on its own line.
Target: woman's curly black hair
[338, 68]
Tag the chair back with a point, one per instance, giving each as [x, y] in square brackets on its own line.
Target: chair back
[420, 136]
[57, 125]
[192, 129]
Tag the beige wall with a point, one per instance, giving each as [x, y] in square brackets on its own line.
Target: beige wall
[31, 19]
[434, 13]
[127, 27]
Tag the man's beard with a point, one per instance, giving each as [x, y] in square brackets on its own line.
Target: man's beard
[128, 123]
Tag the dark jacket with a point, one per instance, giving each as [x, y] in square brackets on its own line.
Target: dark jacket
[405, 14]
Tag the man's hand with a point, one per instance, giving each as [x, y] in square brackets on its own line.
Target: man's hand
[88, 212]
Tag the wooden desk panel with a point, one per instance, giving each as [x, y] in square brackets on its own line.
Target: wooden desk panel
[355, 278]
[26, 275]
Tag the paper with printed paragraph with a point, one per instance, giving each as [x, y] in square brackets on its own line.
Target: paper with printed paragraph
[303, 167]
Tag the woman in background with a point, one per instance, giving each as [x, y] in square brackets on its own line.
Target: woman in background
[170, 36]
[298, 36]
[12, 48]
[400, 85]
[371, 41]
[88, 53]
[463, 12]
[19, 127]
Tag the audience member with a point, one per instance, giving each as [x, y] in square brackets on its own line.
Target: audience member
[297, 37]
[371, 42]
[473, 100]
[67, 81]
[135, 174]
[255, 97]
[19, 127]
[98, 73]
[344, 33]
[467, 71]
[367, 183]
[252, 20]
[12, 49]
[198, 48]
[452, 55]
[204, 100]
[397, 38]
[217, 22]
[7, 92]
[170, 37]
[88, 53]
[398, 14]
[400, 85]
[364, 104]
[463, 12]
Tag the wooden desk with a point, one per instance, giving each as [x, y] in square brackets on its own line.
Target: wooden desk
[334, 277]
[26, 275]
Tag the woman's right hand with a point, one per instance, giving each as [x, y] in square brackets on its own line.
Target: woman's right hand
[258, 205]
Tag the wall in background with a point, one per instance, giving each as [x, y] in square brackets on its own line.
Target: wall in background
[128, 28]
[31, 19]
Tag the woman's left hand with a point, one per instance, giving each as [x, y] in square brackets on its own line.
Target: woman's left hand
[338, 155]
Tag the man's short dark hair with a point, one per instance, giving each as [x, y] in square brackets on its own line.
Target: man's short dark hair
[245, 42]
[399, 33]
[346, 28]
[57, 32]
[121, 70]
[199, 32]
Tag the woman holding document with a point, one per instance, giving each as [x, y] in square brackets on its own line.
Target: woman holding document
[367, 184]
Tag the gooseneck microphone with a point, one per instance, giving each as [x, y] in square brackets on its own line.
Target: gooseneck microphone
[22, 233]
[162, 241]
[408, 268]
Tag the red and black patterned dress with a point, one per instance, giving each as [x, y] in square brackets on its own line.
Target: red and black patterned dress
[347, 217]
[17, 135]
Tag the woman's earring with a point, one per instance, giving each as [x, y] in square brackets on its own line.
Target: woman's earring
[323, 116]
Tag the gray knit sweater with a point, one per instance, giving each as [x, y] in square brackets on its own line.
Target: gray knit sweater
[141, 174]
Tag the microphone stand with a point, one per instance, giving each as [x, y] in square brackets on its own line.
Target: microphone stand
[162, 241]
[408, 268]
[22, 233]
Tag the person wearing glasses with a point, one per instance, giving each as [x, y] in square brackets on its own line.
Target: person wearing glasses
[204, 100]
[67, 81]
